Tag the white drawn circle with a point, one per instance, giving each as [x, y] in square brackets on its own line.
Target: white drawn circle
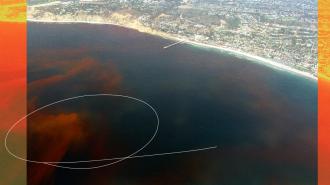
[116, 160]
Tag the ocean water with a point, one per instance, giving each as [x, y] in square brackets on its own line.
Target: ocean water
[263, 120]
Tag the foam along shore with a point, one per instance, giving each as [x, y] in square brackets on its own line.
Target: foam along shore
[262, 60]
[46, 4]
[248, 56]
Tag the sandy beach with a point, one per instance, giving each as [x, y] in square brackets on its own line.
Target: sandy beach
[248, 56]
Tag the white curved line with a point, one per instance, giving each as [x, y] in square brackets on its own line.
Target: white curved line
[115, 159]
[77, 97]
[139, 156]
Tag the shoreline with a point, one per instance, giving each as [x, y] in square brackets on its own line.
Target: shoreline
[248, 56]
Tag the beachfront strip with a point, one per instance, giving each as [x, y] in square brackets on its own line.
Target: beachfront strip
[283, 34]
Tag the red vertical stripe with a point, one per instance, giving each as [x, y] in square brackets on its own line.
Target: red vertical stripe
[12, 99]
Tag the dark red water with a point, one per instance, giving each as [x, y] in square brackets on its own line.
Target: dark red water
[263, 120]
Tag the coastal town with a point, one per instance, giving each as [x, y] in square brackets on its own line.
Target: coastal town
[284, 32]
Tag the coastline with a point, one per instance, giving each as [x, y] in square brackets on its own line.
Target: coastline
[251, 57]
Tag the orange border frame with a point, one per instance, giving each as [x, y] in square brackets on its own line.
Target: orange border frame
[324, 93]
[13, 86]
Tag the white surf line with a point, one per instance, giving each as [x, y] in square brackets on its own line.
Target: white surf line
[255, 58]
[179, 42]
[117, 159]
[46, 4]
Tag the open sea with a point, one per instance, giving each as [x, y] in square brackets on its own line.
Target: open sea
[262, 120]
